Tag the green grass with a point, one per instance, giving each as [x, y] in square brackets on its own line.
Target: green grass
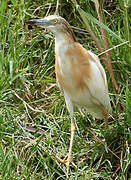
[30, 97]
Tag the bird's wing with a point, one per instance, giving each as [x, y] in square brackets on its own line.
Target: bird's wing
[97, 83]
[97, 61]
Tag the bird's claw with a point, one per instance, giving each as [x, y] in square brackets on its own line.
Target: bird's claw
[67, 162]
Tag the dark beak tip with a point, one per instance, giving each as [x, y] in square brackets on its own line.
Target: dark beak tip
[30, 22]
[26, 22]
[37, 22]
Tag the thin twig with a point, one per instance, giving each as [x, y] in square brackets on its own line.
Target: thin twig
[48, 10]
[57, 7]
[30, 107]
[102, 143]
[32, 129]
[118, 168]
[113, 48]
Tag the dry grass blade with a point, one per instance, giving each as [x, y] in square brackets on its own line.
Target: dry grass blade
[107, 56]
[110, 49]
[89, 28]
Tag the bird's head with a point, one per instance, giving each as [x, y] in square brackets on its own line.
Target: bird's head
[54, 23]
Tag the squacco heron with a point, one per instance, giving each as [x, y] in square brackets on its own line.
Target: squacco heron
[79, 74]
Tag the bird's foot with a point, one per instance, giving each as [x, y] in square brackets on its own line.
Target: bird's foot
[67, 162]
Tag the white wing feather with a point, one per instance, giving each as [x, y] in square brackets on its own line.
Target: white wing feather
[97, 86]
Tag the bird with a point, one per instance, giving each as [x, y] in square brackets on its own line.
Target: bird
[79, 75]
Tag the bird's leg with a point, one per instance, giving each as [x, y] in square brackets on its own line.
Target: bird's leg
[69, 159]
[71, 111]
[105, 113]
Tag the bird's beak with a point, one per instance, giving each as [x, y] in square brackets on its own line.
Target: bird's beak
[39, 22]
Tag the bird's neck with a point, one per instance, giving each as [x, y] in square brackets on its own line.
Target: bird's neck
[63, 41]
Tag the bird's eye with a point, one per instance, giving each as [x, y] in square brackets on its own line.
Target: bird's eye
[55, 21]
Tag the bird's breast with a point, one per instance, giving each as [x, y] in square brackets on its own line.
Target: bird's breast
[70, 73]
[64, 72]
[70, 81]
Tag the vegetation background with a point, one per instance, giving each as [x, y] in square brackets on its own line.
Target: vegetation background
[34, 121]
